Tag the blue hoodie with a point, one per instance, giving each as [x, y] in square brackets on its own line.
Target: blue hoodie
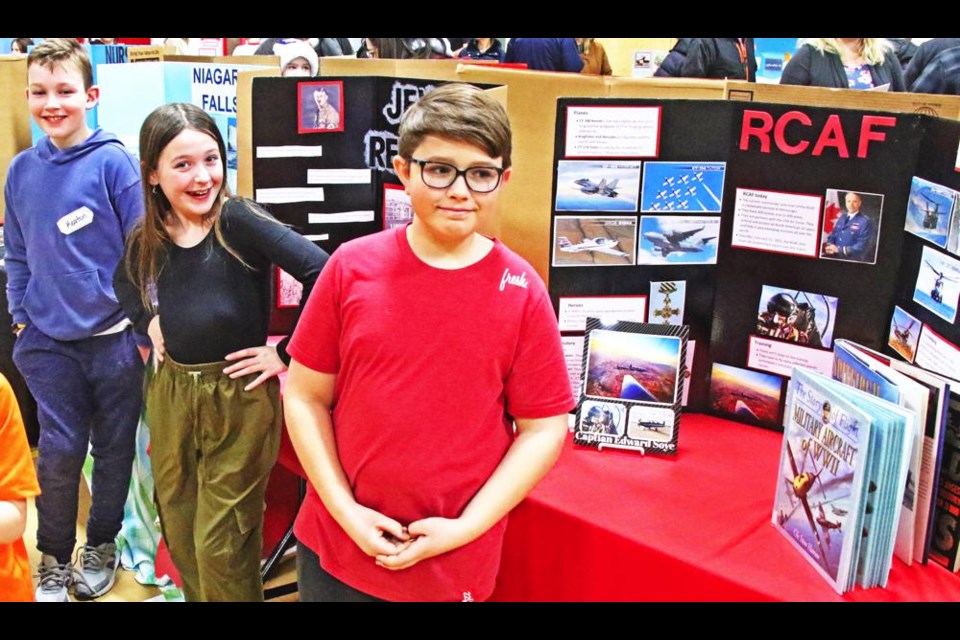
[68, 214]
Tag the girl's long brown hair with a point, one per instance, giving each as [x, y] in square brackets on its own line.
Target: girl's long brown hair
[147, 243]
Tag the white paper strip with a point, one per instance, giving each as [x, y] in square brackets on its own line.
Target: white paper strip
[345, 216]
[338, 176]
[283, 195]
[290, 151]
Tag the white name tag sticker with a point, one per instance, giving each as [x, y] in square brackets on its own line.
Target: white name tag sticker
[75, 220]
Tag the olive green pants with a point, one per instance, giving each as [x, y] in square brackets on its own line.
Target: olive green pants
[212, 448]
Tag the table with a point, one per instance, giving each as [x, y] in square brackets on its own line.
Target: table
[616, 526]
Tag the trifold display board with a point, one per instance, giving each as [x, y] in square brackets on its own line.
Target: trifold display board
[322, 160]
[735, 219]
[129, 92]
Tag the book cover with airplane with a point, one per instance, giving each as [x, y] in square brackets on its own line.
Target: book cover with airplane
[589, 185]
[588, 241]
[678, 240]
[820, 497]
[634, 370]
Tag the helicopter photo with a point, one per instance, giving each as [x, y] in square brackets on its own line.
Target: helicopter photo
[929, 211]
[937, 283]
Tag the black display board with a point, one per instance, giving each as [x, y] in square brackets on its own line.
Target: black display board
[347, 152]
[937, 180]
[793, 269]
[701, 141]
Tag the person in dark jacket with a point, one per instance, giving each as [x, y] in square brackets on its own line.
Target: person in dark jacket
[670, 67]
[732, 58]
[924, 56]
[845, 63]
[903, 49]
[942, 75]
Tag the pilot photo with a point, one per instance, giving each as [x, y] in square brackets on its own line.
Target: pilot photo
[851, 226]
[320, 107]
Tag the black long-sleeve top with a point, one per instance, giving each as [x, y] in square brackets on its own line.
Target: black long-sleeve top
[210, 304]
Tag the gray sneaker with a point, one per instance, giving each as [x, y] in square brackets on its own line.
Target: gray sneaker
[55, 580]
[98, 571]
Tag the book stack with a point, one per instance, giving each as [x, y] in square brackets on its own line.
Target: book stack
[928, 528]
[840, 486]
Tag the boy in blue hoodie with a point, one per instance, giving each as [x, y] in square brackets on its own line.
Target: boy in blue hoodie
[71, 201]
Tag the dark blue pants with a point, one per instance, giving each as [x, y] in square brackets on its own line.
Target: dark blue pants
[87, 391]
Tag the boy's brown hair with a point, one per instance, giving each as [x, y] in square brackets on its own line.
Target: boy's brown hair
[459, 112]
[58, 51]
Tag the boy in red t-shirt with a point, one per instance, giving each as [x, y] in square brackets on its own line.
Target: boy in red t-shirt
[428, 393]
[18, 481]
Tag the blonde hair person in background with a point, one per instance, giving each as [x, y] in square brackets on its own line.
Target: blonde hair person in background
[594, 57]
[845, 63]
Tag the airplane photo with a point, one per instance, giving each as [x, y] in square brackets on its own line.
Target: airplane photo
[594, 241]
[580, 182]
[673, 239]
[701, 184]
[602, 189]
[601, 245]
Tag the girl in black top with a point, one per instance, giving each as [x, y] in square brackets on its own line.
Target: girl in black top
[196, 279]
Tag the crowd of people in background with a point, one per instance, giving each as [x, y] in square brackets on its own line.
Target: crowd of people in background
[891, 64]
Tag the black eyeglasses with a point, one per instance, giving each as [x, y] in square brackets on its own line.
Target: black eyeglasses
[440, 175]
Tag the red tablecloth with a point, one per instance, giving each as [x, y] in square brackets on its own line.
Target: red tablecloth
[613, 525]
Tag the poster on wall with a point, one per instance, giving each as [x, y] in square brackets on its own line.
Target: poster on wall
[631, 386]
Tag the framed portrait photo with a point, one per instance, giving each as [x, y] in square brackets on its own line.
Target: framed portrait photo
[320, 106]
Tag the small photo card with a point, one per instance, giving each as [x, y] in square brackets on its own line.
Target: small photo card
[904, 333]
[591, 185]
[320, 106]
[594, 241]
[851, 226]
[796, 316]
[683, 187]
[938, 283]
[745, 396]
[679, 240]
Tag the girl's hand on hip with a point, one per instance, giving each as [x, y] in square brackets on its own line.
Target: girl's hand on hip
[263, 360]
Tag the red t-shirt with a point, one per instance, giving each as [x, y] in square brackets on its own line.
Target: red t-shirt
[18, 481]
[431, 364]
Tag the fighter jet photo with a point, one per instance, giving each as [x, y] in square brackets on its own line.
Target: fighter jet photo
[602, 189]
[594, 185]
